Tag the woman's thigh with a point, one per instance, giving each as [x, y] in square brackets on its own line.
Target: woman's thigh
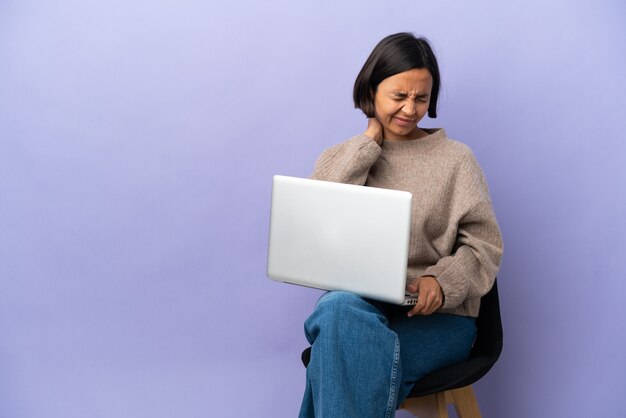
[428, 343]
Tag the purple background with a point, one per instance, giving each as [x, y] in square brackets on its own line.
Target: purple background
[137, 144]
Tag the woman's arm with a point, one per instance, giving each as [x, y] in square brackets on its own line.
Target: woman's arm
[350, 161]
[470, 270]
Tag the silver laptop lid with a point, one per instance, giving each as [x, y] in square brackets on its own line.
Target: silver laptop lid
[335, 236]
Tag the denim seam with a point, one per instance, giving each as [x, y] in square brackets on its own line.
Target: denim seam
[394, 373]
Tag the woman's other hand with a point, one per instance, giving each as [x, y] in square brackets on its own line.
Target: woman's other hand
[430, 295]
[375, 130]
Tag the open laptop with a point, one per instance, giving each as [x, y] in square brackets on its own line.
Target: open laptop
[335, 236]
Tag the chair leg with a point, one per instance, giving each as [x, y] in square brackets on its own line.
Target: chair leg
[431, 406]
[465, 402]
[435, 405]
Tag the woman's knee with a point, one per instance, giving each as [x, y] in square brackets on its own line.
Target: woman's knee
[338, 305]
[342, 315]
[339, 309]
[339, 298]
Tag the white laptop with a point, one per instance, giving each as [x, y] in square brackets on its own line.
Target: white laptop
[335, 236]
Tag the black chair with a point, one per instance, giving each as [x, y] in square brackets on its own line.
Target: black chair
[452, 385]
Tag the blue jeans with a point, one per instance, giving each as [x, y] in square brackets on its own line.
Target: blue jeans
[366, 355]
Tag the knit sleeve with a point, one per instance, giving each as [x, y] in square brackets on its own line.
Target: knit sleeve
[348, 162]
[470, 270]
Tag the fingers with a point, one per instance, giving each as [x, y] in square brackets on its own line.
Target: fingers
[430, 296]
[426, 305]
[374, 123]
[411, 288]
[374, 130]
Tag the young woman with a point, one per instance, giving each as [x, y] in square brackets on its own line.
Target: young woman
[367, 355]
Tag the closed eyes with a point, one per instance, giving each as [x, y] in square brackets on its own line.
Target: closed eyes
[423, 98]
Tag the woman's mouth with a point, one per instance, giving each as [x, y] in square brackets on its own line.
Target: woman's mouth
[404, 122]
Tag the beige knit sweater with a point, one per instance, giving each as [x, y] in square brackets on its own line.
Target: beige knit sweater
[455, 235]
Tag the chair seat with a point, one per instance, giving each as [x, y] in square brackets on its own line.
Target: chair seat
[452, 377]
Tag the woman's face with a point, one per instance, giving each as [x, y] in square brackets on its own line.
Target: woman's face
[401, 101]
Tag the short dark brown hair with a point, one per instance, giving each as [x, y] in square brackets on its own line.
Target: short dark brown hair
[393, 55]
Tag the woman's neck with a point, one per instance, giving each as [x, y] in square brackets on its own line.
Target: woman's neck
[416, 133]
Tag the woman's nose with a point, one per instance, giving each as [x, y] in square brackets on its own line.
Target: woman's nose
[409, 108]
